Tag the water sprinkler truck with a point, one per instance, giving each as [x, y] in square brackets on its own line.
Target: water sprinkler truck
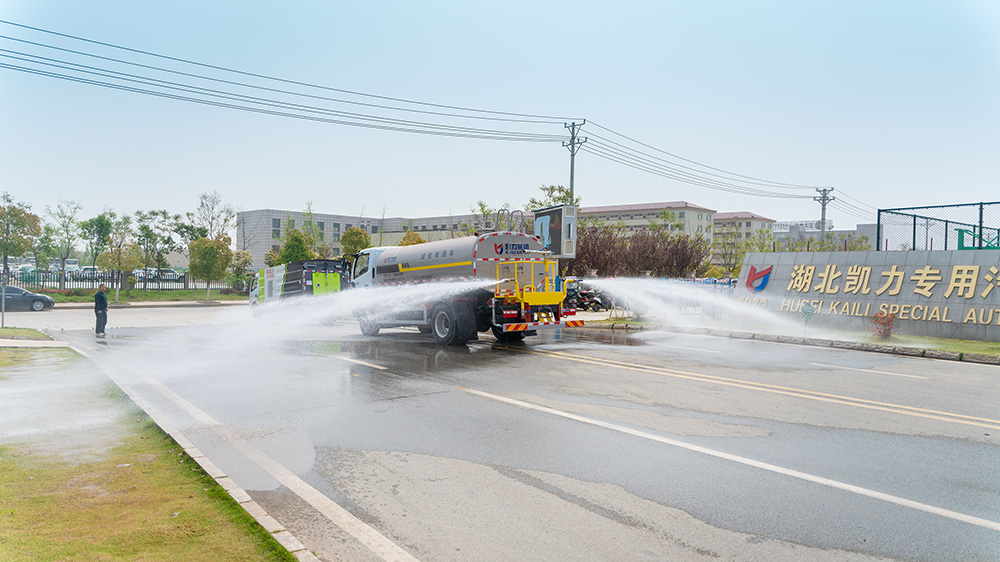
[523, 295]
[522, 292]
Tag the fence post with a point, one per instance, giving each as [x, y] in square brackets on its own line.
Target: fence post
[913, 245]
[981, 233]
[946, 235]
[878, 231]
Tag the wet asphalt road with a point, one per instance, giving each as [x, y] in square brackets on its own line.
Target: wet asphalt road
[582, 445]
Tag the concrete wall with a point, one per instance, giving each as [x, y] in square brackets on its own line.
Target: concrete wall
[950, 294]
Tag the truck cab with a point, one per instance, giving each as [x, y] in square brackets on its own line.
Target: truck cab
[363, 274]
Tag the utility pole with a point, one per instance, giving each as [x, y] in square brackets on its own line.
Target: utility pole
[573, 144]
[823, 199]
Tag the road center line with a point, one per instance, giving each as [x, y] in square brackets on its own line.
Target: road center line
[787, 391]
[962, 517]
[867, 371]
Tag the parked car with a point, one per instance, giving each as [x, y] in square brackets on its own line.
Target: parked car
[169, 275]
[91, 273]
[16, 298]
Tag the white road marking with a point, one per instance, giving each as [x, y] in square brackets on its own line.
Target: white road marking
[689, 348]
[366, 535]
[986, 523]
[867, 371]
[349, 360]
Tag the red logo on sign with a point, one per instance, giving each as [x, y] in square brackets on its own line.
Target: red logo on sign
[498, 248]
[754, 275]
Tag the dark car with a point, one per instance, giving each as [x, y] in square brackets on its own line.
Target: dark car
[17, 298]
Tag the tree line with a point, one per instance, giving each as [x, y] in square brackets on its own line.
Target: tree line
[120, 243]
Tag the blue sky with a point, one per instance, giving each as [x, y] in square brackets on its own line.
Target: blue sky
[894, 103]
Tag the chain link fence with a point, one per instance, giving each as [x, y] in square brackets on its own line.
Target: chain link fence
[971, 226]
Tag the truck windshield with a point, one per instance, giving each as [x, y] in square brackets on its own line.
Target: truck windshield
[360, 265]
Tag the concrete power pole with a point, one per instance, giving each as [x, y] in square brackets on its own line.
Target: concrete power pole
[573, 144]
[823, 199]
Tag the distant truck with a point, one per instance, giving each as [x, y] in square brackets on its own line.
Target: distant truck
[304, 277]
[524, 293]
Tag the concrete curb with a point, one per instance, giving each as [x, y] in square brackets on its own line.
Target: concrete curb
[814, 342]
[254, 509]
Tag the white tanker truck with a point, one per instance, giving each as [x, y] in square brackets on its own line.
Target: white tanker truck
[525, 297]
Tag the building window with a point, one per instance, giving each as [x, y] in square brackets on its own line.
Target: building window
[699, 228]
[276, 233]
[374, 230]
[291, 224]
[700, 216]
[275, 223]
[347, 225]
[336, 226]
[320, 226]
[748, 224]
[680, 214]
[276, 248]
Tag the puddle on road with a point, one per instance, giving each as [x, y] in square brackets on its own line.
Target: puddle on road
[56, 402]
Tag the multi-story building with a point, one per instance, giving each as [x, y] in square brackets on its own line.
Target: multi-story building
[689, 219]
[741, 223]
[261, 230]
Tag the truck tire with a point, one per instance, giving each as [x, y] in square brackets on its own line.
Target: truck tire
[443, 323]
[368, 327]
[452, 324]
[507, 337]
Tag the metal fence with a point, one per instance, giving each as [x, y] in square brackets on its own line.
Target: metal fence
[944, 227]
[51, 281]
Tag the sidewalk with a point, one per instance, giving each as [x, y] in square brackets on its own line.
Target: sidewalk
[153, 304]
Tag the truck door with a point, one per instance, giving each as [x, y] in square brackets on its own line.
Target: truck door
[363, 271]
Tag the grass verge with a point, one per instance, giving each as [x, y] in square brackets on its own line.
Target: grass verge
[138, 295]
[23, 333]
[144, 500]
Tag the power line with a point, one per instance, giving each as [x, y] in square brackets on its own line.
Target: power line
[769, 182]
[286, 81]
[165, 84]
[276, 113]
[659, 170]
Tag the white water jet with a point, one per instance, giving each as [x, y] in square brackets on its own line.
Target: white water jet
[683, 304]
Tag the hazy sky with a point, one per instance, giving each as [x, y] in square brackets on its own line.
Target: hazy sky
[894, 103]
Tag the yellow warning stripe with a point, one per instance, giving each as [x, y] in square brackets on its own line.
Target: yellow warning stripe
[439, 266]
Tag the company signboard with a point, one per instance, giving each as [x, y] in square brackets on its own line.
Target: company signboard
[950, 294]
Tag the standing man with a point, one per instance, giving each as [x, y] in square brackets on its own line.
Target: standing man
[101, 309]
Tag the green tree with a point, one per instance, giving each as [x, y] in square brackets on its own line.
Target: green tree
[552, 195]
[314, 237]
[354, 240]
[155, 235]
[122, 254]
[187, 231]
[95, 233]
[295, 248]
[239, 269]
[210, 259]
[411, 238]
[18, 229]
[43, 247]
[214, 215]
[66, 230]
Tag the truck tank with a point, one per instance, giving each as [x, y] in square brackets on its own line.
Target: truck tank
[525, 296]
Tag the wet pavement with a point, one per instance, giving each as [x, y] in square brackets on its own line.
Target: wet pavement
[584, 444]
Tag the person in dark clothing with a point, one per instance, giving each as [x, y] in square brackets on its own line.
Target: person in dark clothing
[101, 309]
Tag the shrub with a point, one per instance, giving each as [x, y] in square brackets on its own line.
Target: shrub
[882, 325]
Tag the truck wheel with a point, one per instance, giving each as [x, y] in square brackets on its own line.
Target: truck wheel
[368, 327]
[507, 337]
[443, 323]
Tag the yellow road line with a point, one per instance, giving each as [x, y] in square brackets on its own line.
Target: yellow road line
[774, 389]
